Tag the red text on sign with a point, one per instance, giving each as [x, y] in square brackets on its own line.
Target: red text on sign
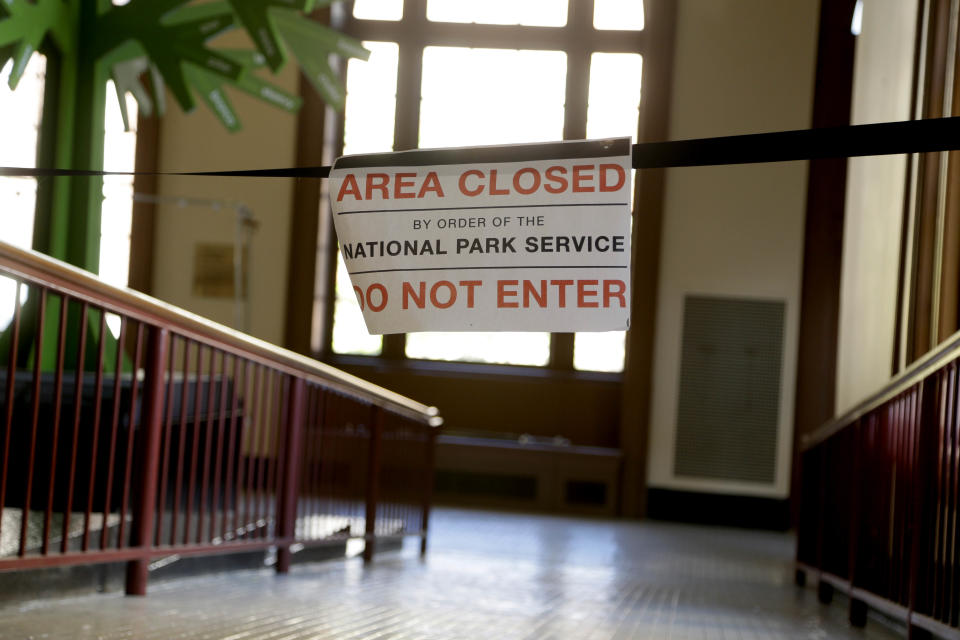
[582, 294]
[580, 178]
[443, 294]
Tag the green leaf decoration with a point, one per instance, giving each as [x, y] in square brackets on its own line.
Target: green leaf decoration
[252, 84]
[255, 17]
[164, 43]
[170, 44]
[24, 27]
[311, 43]
[126, 79]
[210, 86]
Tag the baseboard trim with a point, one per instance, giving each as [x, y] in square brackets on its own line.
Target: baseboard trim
[719, 509]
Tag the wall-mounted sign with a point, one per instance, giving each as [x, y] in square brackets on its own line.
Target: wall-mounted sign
[529, 237]
[216, 273]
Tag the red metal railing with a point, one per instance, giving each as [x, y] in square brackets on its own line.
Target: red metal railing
[879, 500]
[131, 430]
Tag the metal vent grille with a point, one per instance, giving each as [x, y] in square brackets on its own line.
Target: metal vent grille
[729, 396]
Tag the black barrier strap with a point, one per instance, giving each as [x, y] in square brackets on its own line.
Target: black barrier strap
[912, 136]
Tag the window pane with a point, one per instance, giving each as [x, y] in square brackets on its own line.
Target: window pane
[119, 154]
[489, 96]
[613, 101]
[614, 97]
[19, 130]
[612, 111]
[531, 13]
[626, 15]
[378, 9]
[368, 128]
[371, 100]
[599, 351]
[498, 348]
[349, 331]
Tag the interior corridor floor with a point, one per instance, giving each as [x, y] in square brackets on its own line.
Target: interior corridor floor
[487, 575]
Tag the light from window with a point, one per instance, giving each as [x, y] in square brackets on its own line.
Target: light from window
[371, 100]
[856, 23]
[19, 130]
[116, 217]
[491, 96]
[624, 15]
[116, 213]
[378, 9]
[349, 330]
[368, 128]
[599, 351]
[478, 97]
[613, 103]
[506, 347]
[22, 110]
[614, 97]
[531, 13]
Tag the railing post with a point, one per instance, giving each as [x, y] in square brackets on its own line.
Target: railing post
[287, 516]
[857, 613]
[147, 461]
[924, 467]
[431, 441]
[373, 485]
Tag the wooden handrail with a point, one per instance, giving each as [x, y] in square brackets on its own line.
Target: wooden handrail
[930, 362]
[83, 285]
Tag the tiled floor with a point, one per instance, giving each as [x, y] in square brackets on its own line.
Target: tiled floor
[487, 575]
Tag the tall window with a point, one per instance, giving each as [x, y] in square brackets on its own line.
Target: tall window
[18, 196]
[480, 72]
[116, 214]
[371, 103]
[22, 111]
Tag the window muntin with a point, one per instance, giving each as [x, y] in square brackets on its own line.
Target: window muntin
[529, 13]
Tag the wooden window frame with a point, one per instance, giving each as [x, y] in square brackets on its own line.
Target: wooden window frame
[928, 295]
[578, 39]
[321, 128]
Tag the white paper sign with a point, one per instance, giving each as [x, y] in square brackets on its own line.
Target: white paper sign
[514, 238]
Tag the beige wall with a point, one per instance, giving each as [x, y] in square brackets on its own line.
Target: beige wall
[741, 66]
[197, 141]
[883, 75]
